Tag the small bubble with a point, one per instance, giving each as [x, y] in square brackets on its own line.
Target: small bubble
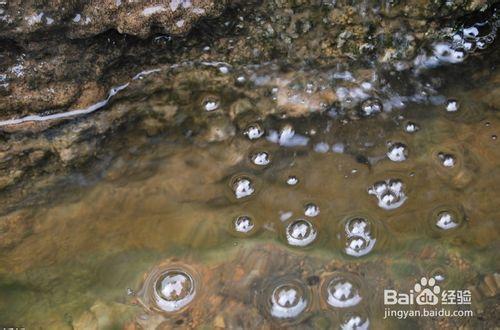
[243, 187]
[311, 210]
[241, 79]
[321, 147]
[253, 132]
[261, 158]
[452, 105]
[494, 137]
[243, 224]
[411, 127]
[370, 107]
[292, 180]
[447, 160]
[446, 220]
[211, 105]
[288, 301]
[355, 322]
[223, 69]
[397, 152]
[338, 148]
[300, 233]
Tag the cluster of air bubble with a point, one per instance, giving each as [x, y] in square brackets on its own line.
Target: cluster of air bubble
[359, 238]
[290, 298]
[455, 46]
[287, 137]
[390, 193]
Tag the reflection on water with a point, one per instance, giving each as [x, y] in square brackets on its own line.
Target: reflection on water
[293, 222]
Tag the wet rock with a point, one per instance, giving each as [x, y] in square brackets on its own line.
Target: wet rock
[81, 19]
[97, 67]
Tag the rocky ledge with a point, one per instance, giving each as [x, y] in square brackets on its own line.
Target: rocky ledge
[62, 64]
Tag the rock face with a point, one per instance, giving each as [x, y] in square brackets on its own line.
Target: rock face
[59, 58]
[83, 19]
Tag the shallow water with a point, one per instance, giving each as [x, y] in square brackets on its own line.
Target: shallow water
[380, 204]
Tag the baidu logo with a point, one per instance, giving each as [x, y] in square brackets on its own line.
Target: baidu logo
[427, 292]
[427, 299]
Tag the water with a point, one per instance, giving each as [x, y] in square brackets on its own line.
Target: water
[269, 220]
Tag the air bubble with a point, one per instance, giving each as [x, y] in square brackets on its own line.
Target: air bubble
[452, 106]
[261, 158]
[288, 301]
[242, 187]
[292, 180]
[357, 227]
[355, 322]
[243, 224]
[446, 53]
[287, 137]
[342, 293]
[447, 160]
[370, 107]
[397, 152]
[311, 210]
[253, 132]
[411, 127]
[446, 220]
[300, 233]
[174, 289]
[390, 193]
[211, 105]
[359, 240]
